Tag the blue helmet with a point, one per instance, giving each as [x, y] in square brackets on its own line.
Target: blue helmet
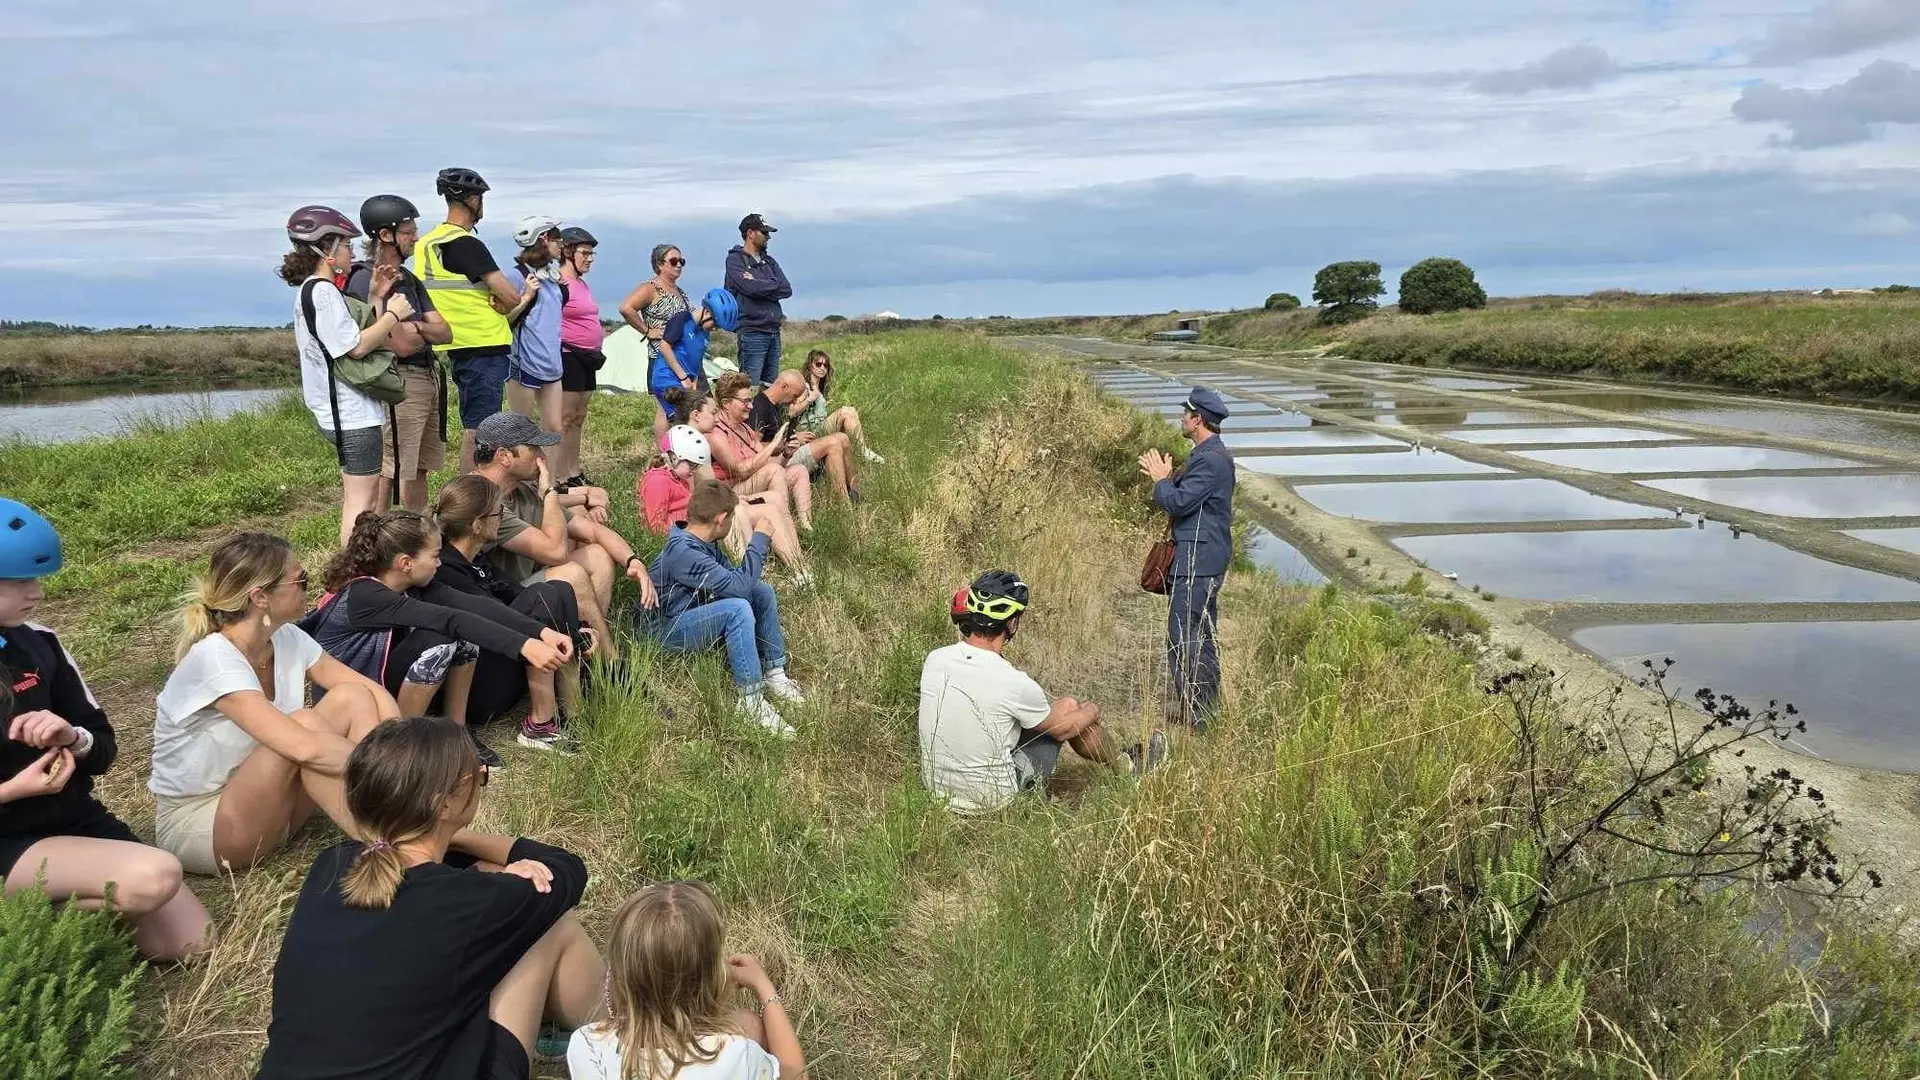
[725, 309]
[29, 548]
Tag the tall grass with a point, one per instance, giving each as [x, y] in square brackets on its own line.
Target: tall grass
[192, 357]
[1264, 906]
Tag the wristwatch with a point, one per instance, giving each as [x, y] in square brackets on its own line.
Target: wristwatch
[82, 742]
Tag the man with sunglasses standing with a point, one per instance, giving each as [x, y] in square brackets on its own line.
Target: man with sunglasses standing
[1198, 498]
[473, 296]
[758, 282]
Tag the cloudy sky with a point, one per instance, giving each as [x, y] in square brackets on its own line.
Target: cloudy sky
[972, 157]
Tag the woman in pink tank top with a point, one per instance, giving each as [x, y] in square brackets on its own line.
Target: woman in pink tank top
[581, 336]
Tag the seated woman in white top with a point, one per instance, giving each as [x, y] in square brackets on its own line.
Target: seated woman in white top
[239, 761]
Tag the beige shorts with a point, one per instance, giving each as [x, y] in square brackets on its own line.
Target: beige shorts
[418, 418]
[184, 826]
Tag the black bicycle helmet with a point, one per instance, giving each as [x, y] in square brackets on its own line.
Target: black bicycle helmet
[992, 599]
[457, 183]
[386, 212]
[574, 236]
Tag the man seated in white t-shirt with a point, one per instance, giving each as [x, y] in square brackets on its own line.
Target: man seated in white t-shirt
[987, 730]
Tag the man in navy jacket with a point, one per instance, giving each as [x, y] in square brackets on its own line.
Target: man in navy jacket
[1199, 500]
[705, 597]
[760, 285]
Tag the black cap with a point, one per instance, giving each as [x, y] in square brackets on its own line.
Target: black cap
[755, 221]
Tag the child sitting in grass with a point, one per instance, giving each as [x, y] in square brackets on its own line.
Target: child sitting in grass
[668, 979]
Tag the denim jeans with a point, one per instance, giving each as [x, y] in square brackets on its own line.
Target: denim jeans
[760, 355]
[751, 629]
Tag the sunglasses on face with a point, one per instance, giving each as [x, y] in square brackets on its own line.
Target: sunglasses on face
[300, 581]
[676, 261]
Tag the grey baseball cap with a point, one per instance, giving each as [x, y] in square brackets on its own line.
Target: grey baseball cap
[513, 429]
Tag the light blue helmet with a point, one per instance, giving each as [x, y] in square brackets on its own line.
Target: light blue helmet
[725, 309]
[29, 548]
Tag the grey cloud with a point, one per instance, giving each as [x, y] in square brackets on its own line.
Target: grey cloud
[1884, 92]
[1578, 67]
[1191, 242]
[1837, 28]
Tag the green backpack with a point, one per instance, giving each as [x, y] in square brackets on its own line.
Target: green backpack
[376, 374]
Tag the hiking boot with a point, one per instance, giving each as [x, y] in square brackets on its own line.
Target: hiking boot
[1156, 755]
[854, 498]
[549, 736]
[756, 709]
[781, 686]
[487, 757]
[867, 453]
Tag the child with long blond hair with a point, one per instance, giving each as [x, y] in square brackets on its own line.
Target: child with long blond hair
[668, 988]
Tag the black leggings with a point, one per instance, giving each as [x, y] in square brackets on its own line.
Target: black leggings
[499, 682]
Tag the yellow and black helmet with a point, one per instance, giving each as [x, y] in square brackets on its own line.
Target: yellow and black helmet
[996, 596]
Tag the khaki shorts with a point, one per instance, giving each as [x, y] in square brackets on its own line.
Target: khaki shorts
[184, 826]
[418, 418]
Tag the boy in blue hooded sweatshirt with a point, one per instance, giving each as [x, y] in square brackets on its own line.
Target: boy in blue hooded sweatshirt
[705, 598]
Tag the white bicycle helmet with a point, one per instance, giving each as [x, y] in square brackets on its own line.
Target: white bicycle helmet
[687, 444]
[532, 228]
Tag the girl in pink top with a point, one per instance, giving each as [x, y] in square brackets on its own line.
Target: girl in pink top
[581, 336]
[664, 490]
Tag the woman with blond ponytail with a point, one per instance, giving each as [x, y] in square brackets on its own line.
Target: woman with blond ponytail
[424, 948]
[239, 761]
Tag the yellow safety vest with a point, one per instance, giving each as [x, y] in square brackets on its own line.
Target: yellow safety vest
[466, 305]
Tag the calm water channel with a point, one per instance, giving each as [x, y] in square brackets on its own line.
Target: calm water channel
[71, 414]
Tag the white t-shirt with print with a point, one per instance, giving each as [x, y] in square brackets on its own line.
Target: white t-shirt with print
[974, 705]
[195, 747]
[594, 1054]
[340, 335]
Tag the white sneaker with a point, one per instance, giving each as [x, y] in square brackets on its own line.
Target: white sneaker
[781, 685]
[867, 453]
[802, 578]
[756, 709]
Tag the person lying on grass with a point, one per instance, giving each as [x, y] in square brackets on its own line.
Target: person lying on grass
[669, 982]
[54, 835]
[784, 404]
[705, 598]
[425, 949]
[547, 536]
[741, 458]
[987, 730]
[386, 616]
[664, 489]
[239, 762]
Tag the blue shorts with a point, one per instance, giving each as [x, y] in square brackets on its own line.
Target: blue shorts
[482, 381]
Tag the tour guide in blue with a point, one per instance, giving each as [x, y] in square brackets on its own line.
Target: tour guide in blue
[758, 281]
[704, 598]
[1199, 499]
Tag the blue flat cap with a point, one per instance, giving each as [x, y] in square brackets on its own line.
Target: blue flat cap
[1208, 404]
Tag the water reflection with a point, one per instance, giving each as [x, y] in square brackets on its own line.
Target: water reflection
[1895, 495]
[1651, 566]
[94, 414]
[1272, 553]
[1463, 501]
[1853, 682]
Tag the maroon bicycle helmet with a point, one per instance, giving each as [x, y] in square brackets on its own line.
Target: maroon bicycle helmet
[315, 224]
